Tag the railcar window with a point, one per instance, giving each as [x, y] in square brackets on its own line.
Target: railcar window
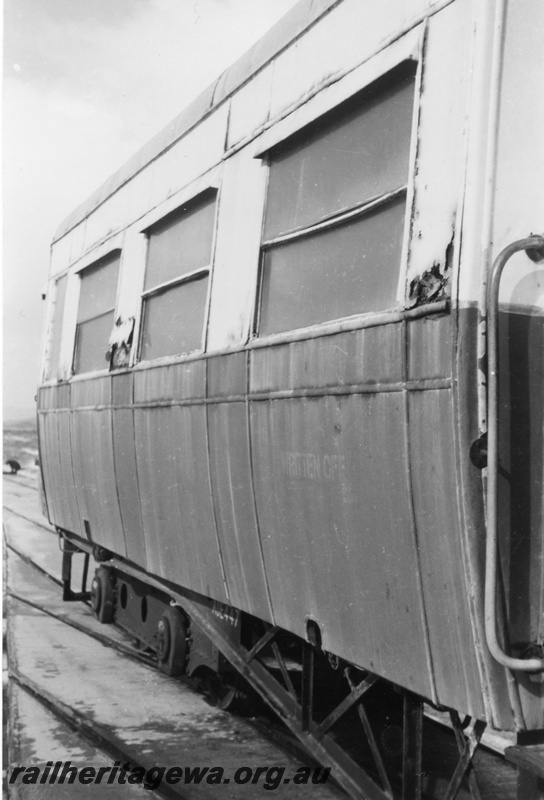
[96, 311]
[176, 281]
[335, 212]
[58, 313]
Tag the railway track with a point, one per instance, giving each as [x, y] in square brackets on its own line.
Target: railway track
[33, 585]
[62, 724]
[73, 705]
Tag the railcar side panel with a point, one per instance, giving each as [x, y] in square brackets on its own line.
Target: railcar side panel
[180, 536]
[250, 109]
[66, 476]
[441, 556]
[336, 44]
[166, 547]
[333, 498]
[227, 376]
[126, 474]
[94, 471]
[235, 508]
[190, 157]
[61, 496]
[436, 512]
[77, 242]
[472, 511]
[429, 348]
[60, 254]
[333, 505]
[371, 356]
[50, 462]
[232, 487]
[172, 459]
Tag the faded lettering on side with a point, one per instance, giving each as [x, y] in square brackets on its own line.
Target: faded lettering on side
[226, 613]
[314, 466]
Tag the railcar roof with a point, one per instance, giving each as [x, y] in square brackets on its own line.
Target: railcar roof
[286, 30]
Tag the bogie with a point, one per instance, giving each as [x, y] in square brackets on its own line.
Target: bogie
[171, 642]
[103, 593]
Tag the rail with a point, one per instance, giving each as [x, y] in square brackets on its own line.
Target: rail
[534, 247]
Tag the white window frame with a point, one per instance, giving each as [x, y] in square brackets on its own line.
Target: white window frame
[90, 261]
[210, 184]
[408, 48]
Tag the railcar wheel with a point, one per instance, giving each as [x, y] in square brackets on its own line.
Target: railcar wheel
[171, 646]
[225, 696]
[103, 595]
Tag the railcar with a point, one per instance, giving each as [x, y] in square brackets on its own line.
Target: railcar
[291, 388]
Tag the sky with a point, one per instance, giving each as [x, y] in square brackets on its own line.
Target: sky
[86, 84]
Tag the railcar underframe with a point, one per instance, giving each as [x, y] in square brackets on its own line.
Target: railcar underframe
[289, 687]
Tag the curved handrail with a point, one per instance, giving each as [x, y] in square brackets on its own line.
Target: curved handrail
[534, 247]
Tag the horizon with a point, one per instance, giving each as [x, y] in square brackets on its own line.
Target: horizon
[15, 415]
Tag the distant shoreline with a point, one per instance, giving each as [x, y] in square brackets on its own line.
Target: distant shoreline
[21, 422]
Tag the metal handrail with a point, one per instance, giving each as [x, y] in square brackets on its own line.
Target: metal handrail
[534, 247]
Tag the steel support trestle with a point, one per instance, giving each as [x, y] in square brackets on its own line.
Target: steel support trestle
[297, 715]
[296, 708]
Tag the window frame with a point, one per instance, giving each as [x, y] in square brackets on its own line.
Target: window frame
[208, 191]
[357, 211]
[110, 256]
[410, 47]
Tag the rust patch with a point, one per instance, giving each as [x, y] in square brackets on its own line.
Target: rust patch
[434, 284]
[118, 353]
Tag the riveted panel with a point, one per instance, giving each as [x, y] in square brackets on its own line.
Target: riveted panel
[93, 463]
[126, 474]
[95, 478]
[122, 388]
[48, 397]
[227, 375]
[50, 461]
[128, 491]
[190, 156]
[371, 356]
[249, 108]
[334, 509]
[429, 348]
[68, 489]
[186, 380]
[334, 45]
[235, 508]
[89, 393]
[55, 455]
[436, 511]
[180, 536]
